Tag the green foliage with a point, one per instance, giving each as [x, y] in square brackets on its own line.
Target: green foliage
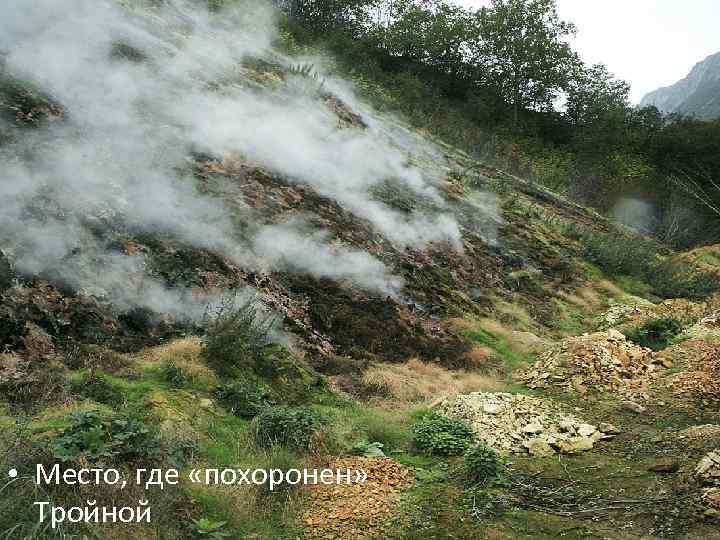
[98, 387]
[442, 436]
[181, 451]
[539, 63]
[95, 436]
[368, 449]
[300, 428]
[615, 252]
[235, 336]
[174, 375]
[243, 398]
[620, 253]
[677, 279]
[510, 358]
[482, 464]
[208, 528]
[656, 334]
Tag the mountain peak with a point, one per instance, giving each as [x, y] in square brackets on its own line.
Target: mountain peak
[698, 94]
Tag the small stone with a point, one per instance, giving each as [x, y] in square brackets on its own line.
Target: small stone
[491, 408]
[608, 429]
[585, 430]
[573, 445]
[205, 403]
[711, 513]
[538, 447]
[614, 334]
[665, 466]
[533, 427]
[632, 407]
[712, 498]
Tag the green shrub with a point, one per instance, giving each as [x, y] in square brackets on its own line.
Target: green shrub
[174, 375]
[621, 253]
[656, 334]
[387, 428]
[180, 451]
[677, 279]
[300, 428]
[94, 436]
[244, 399]
[442, 436]
[235, 336]
[482, 464]
[99, 388]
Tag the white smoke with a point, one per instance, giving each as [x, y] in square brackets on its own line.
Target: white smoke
[129, 126]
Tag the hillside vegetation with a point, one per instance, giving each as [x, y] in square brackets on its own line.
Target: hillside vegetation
[222, 247]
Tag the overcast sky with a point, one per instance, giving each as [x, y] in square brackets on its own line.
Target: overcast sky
[649, 43]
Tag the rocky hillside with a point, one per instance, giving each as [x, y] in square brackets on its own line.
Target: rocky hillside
[698, 94]
[217, 252]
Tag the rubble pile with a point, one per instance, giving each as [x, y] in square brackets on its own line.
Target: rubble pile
[638, 311]
[706, 328]
[701, 432]
[702, 378]
[619, 313]
[603, 361]
[514, 423]
[356, 510]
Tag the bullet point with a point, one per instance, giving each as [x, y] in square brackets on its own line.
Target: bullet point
[12, 473]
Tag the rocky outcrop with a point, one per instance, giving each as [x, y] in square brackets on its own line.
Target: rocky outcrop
[697, 94]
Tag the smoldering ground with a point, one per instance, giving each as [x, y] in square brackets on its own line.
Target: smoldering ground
[142, 85]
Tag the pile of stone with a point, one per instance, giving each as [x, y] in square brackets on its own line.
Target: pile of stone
[514, 423]
[603, 361]
[701, 380]
[706, 328]
[700, 433]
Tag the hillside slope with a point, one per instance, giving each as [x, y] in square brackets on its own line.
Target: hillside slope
[215, 253]
[698, 94]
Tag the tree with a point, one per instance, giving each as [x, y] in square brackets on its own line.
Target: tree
[591, 92]
[319, 16]
[522, 50]
[432, 34]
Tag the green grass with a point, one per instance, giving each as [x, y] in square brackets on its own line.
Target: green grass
[511, 359]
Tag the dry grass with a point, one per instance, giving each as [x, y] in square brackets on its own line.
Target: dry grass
[185, 353]
[609, 287]
[515, 315]
[419, 382]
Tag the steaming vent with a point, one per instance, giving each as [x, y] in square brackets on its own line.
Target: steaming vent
[154, 154]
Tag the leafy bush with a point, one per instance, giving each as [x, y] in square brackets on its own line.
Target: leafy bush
[619, 253]
[442, 436]
[676, 279]
[98, 387]
[174, 375]
[180, 451]
[368, 449]
[300, 428]
[482, 464]
[235, 336]
[209, 528]
[244, 399]
[656, 334]
[94, 436]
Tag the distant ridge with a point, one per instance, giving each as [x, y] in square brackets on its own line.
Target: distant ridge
[698, 94]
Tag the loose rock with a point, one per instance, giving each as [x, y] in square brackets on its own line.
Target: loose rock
[511, 423]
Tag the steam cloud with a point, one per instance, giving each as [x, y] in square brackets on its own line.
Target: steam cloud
[130, 125]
